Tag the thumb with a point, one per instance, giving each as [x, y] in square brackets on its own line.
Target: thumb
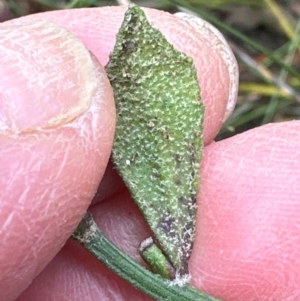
[56, 131]
[248, 218]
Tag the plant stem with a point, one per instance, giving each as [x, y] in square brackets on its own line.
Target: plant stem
[89, 235]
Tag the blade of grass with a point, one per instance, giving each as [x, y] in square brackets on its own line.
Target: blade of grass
[282, 20]
[264, 73]
[220, 3]
[248, 112]
[237, 34]
[283, 76]
[263, 89]
[15, 8]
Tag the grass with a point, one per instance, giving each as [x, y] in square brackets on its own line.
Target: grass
[266, 43]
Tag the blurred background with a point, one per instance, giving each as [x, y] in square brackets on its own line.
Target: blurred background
[264, 35]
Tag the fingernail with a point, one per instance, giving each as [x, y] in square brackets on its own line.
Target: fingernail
[218, 43]
[47, 77]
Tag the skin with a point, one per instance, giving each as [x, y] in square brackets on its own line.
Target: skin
[57, 122]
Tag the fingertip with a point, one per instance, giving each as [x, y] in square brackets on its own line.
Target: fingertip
[216, 67]
[43, 87]
[57, 129]
[248, 225]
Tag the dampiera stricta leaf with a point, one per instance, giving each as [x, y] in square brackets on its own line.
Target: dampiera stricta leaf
[158, 143]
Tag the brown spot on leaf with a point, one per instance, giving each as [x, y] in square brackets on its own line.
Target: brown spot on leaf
[167, 224]
[129, 46]
[182, 200]
[194, 199]
[178, 161]
[178, 182]
[192, 154]
[156, 174]
[184, 270]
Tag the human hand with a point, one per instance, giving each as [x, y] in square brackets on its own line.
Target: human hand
[247, 231]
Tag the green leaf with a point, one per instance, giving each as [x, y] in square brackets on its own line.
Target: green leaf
[158, 143]
[155, 259]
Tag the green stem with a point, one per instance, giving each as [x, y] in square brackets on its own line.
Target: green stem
[89, 235]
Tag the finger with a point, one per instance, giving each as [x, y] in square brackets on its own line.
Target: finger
[216, 67]
[247, 228]
[75, 275]
[198, 72]
[56, 131]
[248, 216]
